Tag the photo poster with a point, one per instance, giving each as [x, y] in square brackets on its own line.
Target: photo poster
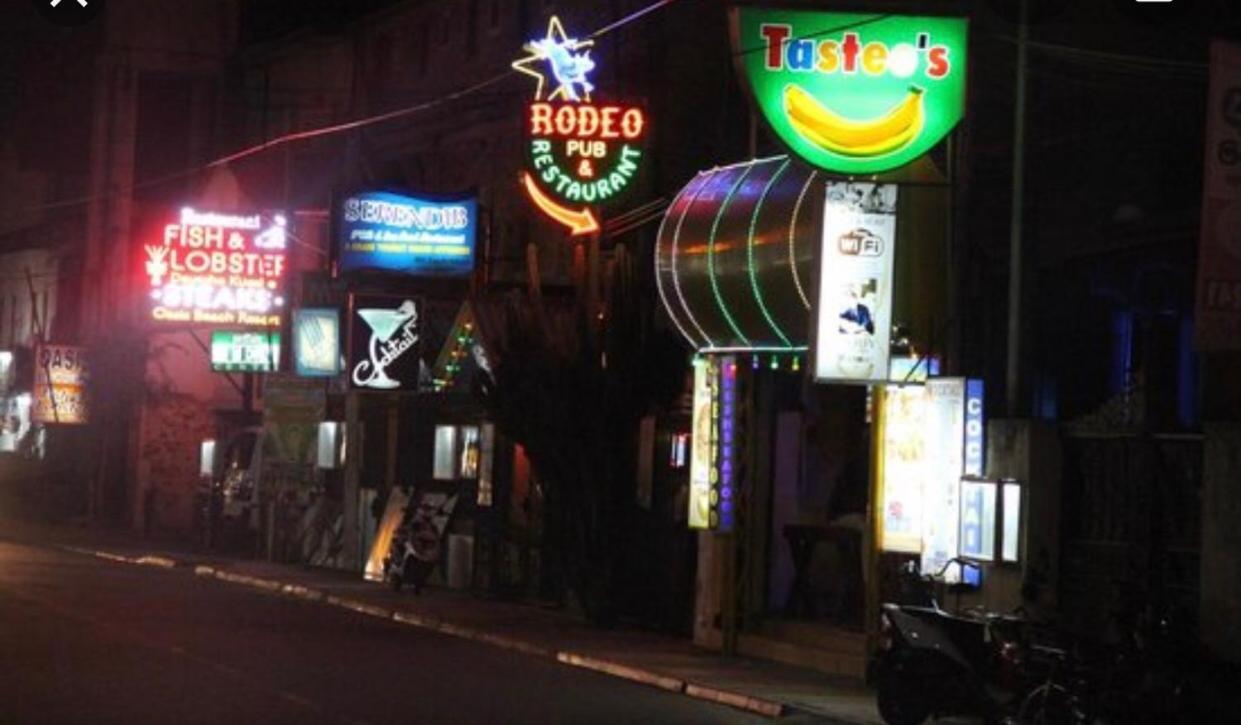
[853, 332]
[702, 461]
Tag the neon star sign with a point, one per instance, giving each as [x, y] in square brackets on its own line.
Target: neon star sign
[568, 67]
[581, 154]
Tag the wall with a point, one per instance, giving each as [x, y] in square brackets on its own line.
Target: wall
[1220, 612]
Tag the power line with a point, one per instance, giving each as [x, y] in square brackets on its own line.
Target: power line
[333, 129]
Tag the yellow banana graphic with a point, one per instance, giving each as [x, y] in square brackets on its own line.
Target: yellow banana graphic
[848, 137]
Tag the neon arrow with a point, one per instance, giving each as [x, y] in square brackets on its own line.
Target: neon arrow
[578, 221]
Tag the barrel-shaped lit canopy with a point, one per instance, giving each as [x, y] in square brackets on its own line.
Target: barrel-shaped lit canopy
[735, 257]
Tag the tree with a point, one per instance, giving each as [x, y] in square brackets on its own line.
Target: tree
[571, 384]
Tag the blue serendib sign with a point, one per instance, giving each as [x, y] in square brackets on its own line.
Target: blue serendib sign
[396, 233]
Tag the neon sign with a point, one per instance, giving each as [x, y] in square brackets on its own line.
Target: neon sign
[406, 234]
[257, 352]
[219, 269]
[581, 154]
[849, 92]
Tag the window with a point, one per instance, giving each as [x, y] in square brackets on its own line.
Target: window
[457, 452]
[678, 456]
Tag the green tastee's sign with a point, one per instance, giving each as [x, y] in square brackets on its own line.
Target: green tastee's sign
[853, 93]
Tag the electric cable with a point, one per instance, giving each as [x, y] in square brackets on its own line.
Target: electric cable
[330, 129]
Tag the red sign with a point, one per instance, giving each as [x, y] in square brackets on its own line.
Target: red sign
[219, 269]
[1217, 320]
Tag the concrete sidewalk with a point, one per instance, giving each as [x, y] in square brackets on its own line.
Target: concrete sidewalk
[670, 663]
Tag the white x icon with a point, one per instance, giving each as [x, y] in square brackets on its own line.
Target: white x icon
[80, 2]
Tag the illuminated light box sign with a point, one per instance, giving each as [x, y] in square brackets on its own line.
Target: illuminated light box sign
[854, 329]
[581, 154]
[853, 92]
[384, 333]
[715, 443]
[316, 342]
[60, 394]
[254, 352]
[406, 234]
[928, 443]
[703, 445]
[218, 269]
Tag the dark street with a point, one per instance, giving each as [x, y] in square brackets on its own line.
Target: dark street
[83, 640]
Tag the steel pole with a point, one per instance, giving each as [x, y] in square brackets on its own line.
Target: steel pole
[1013, 379]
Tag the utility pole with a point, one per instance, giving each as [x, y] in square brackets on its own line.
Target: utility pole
[1012, 378]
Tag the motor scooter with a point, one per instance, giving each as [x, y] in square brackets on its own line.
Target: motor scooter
[934, 663]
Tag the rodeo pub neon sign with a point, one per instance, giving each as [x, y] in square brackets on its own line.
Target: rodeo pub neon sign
[219, 269]
[581, 154]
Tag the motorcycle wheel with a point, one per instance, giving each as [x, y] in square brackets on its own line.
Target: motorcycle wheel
[903, 698]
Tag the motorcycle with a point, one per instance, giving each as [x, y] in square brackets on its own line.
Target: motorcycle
[934, 663]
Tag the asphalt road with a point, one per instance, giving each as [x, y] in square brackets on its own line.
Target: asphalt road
[90, 641]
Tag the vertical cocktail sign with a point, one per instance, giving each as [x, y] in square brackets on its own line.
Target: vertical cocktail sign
[209, 268]
[580, 154]
[855, 283]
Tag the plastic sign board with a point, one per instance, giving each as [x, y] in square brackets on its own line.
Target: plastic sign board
[702, 445]
[60, 378]
[853, 93]
[316, 342]
[975, 428]
[923, 436]
[218, 269]
[581, 154]
[251, 352]
[388, 232]
[853, 332]
[384, 331]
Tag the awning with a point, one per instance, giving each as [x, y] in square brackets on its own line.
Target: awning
[735, 257]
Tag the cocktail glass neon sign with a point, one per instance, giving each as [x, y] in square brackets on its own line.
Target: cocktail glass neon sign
[581, 154]
[219, 269]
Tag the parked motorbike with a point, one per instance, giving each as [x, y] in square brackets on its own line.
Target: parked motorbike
[1158, 673]
[934, 663]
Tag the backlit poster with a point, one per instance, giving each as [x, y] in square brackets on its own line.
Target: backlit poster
[316, 341]
[702, 458]
[854, 308]
[60, 385]
[925, 447]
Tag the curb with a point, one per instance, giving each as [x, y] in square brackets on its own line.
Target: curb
[757, 705]
[634, 674]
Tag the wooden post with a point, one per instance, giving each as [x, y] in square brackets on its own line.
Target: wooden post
[872, 535]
